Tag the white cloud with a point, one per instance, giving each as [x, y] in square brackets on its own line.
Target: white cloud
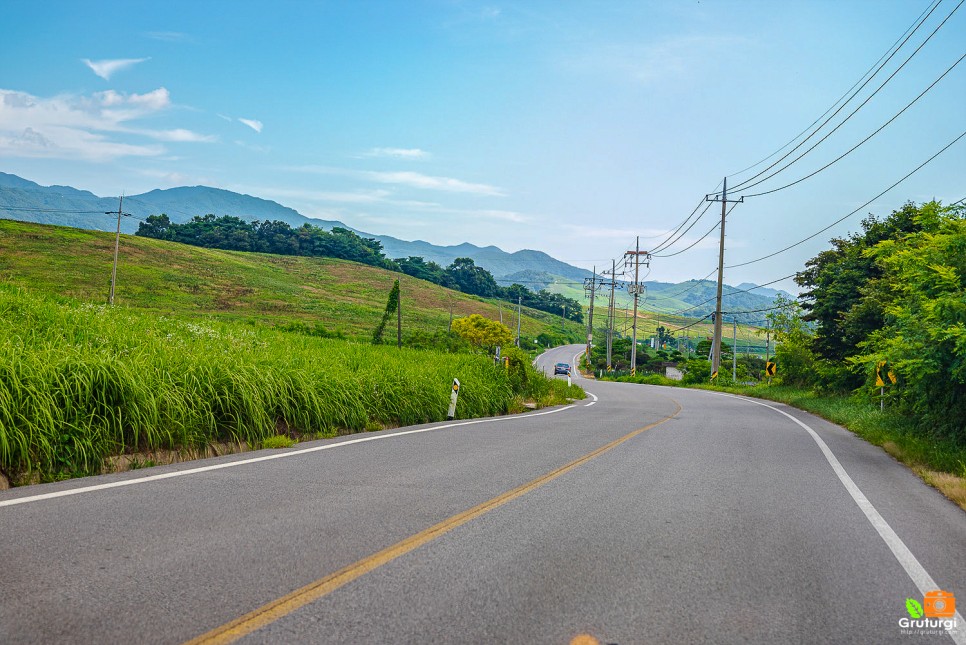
[252, 123]
[428, 182]
[408, 178]
[167, 36]
[106, 68]
[398, 153]
[84, 127]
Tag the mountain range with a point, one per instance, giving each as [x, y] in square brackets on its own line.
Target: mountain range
[26, 200]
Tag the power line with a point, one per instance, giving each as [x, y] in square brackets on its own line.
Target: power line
[51, 210]
[692, 287]
[668, 242]
[839, 100]
[845, 217]
[747, 183]
[853, 148]
[732, 293]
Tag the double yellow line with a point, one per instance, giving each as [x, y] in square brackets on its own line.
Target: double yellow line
[281, 607]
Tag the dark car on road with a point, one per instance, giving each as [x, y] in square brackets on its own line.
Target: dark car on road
[561, 368]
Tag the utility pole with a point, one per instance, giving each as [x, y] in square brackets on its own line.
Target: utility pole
[611, 314]
[590, 314]
[635, 289]
[519, 300]
[499, 303]
[716, 344]
[117, 246]
[399, 319]
[450, 313]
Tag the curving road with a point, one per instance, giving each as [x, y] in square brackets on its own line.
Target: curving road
[640, 515]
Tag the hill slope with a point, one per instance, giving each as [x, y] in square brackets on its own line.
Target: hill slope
[36, 203]
[175, 279]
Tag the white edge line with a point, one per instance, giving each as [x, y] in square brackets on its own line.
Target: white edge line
[913, 568]
[252, 460]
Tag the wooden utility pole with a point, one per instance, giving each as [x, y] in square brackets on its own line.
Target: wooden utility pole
[117, 246]
[399, 318]
[716, 343]
[636, 289]
[590, 315]
[611, 314]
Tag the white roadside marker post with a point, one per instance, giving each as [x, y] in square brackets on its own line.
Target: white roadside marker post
[452, 400]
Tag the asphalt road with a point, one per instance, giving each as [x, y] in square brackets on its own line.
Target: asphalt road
[640, 515]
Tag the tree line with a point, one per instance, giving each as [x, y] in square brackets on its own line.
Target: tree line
[891, 298]
[235, 234]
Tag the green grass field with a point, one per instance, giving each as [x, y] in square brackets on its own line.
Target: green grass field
[180, 280]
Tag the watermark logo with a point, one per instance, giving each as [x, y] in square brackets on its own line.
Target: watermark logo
[935, 615]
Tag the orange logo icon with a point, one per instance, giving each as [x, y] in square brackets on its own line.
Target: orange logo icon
[939, 604]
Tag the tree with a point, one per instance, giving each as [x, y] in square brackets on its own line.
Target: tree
[923, 335]
[483, 332]
[392, 304]
[838, 284]
[471, 278]
[155, 226]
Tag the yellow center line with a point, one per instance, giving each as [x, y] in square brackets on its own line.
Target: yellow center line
[281, 607]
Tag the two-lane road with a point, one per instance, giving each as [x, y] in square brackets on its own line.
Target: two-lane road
[639, 515]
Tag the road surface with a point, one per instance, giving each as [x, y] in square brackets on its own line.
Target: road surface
[639, 515]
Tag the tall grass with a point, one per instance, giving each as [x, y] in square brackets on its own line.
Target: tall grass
[79, 382]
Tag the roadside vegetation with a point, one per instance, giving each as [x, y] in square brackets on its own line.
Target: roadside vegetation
[81, 382]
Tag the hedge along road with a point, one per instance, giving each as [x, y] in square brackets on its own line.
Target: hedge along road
[651, 515]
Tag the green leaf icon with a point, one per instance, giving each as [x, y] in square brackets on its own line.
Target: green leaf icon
[914, 608]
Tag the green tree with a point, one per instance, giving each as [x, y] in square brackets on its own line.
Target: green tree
[923, 335]
[471, 278]
[483, 332]
[841, 295]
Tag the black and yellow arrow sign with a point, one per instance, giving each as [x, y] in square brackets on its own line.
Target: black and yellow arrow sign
[883, 372]
[714, 375]
[770, 368]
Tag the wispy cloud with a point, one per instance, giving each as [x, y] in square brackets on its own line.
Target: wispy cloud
[85, 127]
[429, 182]
[398, 153]
[407, 178]
[254, 124]
[107, 68]
[167, 36]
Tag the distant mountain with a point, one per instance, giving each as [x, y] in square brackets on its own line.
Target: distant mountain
[25, 200]
[46, 204]
[764, 291]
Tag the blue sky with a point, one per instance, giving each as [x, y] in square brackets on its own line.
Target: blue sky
[568, 127]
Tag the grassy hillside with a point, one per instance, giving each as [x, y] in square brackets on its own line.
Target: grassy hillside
[175, 279]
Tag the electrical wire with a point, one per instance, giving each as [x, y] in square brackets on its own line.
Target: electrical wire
[845, 217]
[669, 241]
[853, 148]
[697, 284]
[52, 210]
[839, 100]
[747, 183]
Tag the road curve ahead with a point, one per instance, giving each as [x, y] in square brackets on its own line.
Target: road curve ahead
[639, 515]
